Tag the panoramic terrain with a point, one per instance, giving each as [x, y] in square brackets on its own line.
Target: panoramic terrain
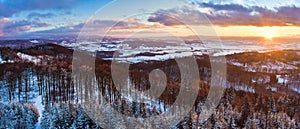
[180, 64]
[37, 88]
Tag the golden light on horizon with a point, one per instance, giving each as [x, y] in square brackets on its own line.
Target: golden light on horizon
[269, 35]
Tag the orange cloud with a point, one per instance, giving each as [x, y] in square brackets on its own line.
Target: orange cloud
[230, 15]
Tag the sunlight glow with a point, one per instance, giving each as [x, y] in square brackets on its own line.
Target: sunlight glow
[269, 35]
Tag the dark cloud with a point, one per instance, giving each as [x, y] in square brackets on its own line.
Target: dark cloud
[20, 26]
[65, 30]
[59, 32]
[172, 16]
[10, 7]
[231, 15]
[228, 7]
[164, 19]
[73, 30]
[40, 15]
[127, 24]
[96, 25]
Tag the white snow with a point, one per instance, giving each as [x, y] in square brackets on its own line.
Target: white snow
[296, 89]
[228, 52]
[38, 103]
[282, 79]
[198, 53]
[244, 88]
[266, 66]
[127, 50]
[151, 103]
[236, 63]
[9, 61]
[34, 41]
[272, 88]
[3, 61]
[29, 58]
[138, 59]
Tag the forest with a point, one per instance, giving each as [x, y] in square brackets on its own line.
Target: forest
[255, 96]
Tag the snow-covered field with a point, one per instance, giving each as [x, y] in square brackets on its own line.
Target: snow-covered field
[264, 66]
[170, 50]
[135, 54]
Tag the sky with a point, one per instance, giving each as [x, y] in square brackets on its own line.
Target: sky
[62, 18]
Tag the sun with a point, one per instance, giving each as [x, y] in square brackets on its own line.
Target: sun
[269, 36]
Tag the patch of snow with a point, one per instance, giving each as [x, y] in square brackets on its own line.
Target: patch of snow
[38, 103]
[138, 59]
[296, 63]
[214, 48]
[266, 66]
[150, 102]
[282, 79]
[34, 41]
[9, 61]
[3, 61]
[66, 44]
[296, 89]
[29, 58]
[244, 88]
[261, 79]
[198, 53]
[228, 52]
[236, 64]
[272, 88]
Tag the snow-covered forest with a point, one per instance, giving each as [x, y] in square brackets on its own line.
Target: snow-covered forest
[37, 90]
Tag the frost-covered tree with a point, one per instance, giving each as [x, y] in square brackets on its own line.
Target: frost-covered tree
[16, 115]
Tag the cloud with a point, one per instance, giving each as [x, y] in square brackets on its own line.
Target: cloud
[7, 27]
[93, 28]
[65, 30]
[10, 7]
[230, 15]
[3, 22]
[40, 15]
[228, 7]
[130, 23]
[164, 18]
